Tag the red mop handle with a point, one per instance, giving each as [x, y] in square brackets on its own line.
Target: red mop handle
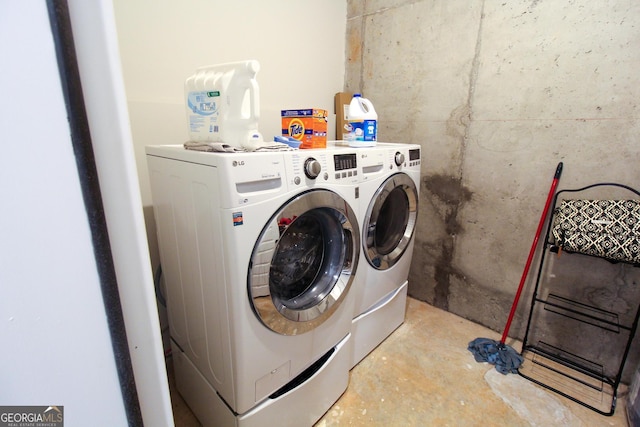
[532, 251]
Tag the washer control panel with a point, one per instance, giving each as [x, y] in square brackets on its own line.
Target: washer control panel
[309, 167]
[345, 165]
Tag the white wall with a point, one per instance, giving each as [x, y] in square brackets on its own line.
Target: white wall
[56, 347]
[299, 44]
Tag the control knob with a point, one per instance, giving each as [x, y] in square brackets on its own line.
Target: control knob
[312, 168]
[399, 158]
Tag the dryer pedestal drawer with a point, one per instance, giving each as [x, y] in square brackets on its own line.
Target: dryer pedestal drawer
[372, 327]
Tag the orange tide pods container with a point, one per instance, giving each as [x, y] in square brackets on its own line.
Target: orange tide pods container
[308, 126]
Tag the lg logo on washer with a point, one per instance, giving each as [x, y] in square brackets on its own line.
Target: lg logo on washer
[238, 163]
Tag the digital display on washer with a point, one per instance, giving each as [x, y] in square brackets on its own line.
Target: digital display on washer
[414, 154]
[344, 161]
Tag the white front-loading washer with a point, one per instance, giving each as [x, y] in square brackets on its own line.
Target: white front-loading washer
[389, 193]
[259, 252]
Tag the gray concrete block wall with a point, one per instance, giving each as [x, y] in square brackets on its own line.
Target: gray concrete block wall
[497, 93]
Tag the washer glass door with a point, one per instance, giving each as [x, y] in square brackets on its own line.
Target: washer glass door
[304, 262]
[390, 221]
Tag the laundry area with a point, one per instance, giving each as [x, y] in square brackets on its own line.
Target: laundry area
[496, 98]
[355, 212]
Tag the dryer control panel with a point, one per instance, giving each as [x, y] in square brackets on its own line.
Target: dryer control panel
[414, 157]
[404, 157]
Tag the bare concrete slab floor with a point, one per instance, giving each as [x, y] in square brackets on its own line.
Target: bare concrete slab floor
[423, 375]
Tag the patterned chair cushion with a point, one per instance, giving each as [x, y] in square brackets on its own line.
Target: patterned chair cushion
[604, 228]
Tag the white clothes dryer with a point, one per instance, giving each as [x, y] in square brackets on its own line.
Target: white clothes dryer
[259, 252]
[389, 194]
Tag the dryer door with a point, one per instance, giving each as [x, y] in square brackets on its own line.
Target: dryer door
[304, 262]
[390, 221]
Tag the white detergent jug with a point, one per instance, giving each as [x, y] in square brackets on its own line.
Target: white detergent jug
[363, 122]
[223, 104]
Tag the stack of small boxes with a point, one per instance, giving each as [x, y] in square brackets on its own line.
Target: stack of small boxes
[308, 126]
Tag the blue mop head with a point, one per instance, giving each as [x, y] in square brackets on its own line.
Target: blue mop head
[505, 358]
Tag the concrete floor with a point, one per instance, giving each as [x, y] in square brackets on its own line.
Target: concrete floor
[423, 375]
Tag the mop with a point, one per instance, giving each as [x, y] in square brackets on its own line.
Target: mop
[505, 358]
